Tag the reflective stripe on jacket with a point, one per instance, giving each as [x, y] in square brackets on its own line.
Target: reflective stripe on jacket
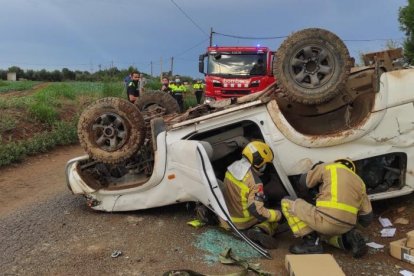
[178, 88]
[244, 200]
[342, 193]
[198, 86]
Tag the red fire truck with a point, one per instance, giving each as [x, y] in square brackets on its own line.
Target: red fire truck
[235, 71]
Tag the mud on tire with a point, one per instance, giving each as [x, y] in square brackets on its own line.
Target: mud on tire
[155, 99]
[312, 66]
[111, 130]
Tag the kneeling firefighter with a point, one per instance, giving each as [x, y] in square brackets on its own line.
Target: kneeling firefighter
[243, 193]
[341, 204]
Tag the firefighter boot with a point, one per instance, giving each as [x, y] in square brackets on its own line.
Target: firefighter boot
[356, 243]
[310, 245]
[262, 238]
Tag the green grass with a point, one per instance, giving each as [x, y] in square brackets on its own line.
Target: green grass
[113, 89]
[7, 122]
[47, 106]
[63, 133]
[6, 86]
[43, 112]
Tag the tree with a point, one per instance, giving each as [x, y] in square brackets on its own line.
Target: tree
[406, 19]
[19, 72]
[68, 74]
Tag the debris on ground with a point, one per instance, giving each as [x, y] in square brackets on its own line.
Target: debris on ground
[406, 273]
[388, 232]
[116, 254]
[228, 258]
[401, 209]
[214, 241]
[385, 222]
[196, 223]
[375, 245]
[402, 221]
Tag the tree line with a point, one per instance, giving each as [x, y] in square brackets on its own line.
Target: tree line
[68, 75]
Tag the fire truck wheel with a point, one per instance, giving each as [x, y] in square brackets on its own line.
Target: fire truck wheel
[111, 130]
[159, 102]
[312, 66]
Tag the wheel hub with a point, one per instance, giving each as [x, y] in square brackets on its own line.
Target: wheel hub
[312, 66]
[110, 131]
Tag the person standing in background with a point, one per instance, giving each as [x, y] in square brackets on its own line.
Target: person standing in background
[198, 90]
[165, 85]
[133, 87]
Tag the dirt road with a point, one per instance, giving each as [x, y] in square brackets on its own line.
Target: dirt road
[45, 230]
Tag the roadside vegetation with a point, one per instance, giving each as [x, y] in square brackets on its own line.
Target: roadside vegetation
[6, 86]
[36, 122]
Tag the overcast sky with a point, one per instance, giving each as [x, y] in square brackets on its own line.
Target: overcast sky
[86, 34]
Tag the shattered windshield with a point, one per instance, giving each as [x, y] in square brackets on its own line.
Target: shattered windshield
[236, 64]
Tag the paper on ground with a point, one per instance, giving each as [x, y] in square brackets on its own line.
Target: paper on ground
[385, 222]
[406, 273]
[388, 232]
[375, 245]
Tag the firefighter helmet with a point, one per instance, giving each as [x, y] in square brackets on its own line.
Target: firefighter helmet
[347, 162]
[258, 153]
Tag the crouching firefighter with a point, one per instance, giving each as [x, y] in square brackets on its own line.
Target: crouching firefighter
[243, 193]
[341, 203]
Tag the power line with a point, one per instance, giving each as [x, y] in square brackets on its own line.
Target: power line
[250, 37]
[189, 18]
[189, 49]
[369, 40]
[284, 36]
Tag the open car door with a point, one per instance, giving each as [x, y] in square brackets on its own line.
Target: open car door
[215, 199]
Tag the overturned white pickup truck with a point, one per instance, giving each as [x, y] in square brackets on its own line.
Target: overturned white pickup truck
[320, 110]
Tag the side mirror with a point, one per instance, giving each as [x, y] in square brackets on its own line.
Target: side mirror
[201, 63]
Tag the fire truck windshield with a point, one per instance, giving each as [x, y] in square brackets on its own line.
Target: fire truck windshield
[244, 64]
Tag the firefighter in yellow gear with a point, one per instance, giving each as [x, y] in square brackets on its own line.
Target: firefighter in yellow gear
[341, 204]
[243, 193]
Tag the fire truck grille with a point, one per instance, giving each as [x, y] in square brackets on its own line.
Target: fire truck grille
[235, 92]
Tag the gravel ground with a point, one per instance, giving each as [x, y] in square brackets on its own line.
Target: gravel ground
[54, 233]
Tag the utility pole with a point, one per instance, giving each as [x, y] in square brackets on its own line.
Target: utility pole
[151, 69]
[172, 65]
[211, 36]
[161, 69]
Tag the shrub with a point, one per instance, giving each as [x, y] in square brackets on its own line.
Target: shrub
[7, 122]
[113, 89]
[63, 133]
[43, 112]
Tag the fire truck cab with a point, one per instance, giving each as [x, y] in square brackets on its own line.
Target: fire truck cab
[235, 71]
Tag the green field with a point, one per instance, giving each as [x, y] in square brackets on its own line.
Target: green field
[37, 122]
[6, 86]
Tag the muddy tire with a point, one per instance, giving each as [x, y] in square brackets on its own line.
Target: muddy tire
[111, 130]
[152, 100]
[312, 66]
